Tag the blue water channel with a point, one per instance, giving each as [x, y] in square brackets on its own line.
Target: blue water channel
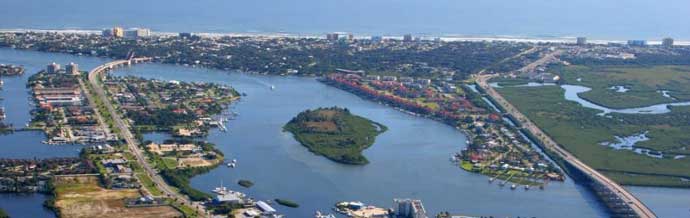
[410, 160]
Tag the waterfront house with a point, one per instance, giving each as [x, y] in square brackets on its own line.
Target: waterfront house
[122, 169]
[390, 78]
[113, 162]
[373, 77]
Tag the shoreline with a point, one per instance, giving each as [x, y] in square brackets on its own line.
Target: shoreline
[232, 71]
[442, 37]
[462, 131]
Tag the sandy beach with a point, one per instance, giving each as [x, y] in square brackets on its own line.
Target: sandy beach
[445, 38]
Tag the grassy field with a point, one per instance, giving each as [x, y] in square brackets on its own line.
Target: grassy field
[83, 197]
[581, 131]
[335, 134]
[644, 84]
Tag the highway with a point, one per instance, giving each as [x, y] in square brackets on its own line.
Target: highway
[635, 204]
[129, 138]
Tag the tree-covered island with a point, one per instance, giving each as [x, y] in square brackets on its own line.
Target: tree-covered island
[335, 133]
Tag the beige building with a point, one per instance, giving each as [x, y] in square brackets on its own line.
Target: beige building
[72, 68]
[118, 32]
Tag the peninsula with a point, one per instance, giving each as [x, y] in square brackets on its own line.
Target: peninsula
[335, 133]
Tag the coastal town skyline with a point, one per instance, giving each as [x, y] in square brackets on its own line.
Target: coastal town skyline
[385, 109]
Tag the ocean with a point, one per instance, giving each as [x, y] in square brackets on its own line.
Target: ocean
[596, 19]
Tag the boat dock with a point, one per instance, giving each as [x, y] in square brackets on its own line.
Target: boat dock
[221, 124]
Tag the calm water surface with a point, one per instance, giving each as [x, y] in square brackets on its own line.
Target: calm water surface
[411, 159]
[16, 100]
[27, 145]
[608, 19]
[25, 205]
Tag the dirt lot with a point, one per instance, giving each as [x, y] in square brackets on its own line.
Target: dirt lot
[328, 114]
[82, 197]
[325, 126]
[194, 162]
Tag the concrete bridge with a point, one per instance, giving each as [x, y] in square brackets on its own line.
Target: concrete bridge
[619, 201]
[118, 63]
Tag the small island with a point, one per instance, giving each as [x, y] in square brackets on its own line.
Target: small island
[335, 133]
[245, 183]
[287, 203]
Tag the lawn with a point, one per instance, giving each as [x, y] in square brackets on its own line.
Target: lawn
[144, 178]
[581, 131]
[170, 162]
[644, 84]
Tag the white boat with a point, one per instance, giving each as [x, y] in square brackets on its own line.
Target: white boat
[321, 215]
[220, 190]
[231, 165]
[273, 87]
[513, 186]
[526, 187]
[234, 160]
[221, 124]
[491, 180]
